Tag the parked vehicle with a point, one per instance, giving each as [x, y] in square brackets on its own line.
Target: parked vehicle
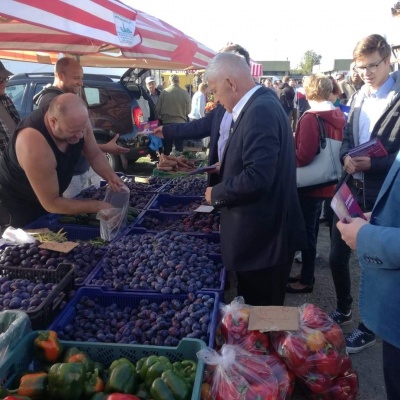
[116, 105]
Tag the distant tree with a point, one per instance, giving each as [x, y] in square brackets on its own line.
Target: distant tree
[309, 59]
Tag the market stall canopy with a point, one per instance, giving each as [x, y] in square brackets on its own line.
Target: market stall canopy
[99, 33]
[256, 69]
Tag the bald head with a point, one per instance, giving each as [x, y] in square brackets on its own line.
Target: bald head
[68, 75]
[229, 78]
[68, 117]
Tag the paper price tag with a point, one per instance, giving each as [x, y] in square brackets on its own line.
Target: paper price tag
[204, 209]
[64, 247]
[273, 318]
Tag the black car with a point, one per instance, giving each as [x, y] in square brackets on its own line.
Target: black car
[113, 105]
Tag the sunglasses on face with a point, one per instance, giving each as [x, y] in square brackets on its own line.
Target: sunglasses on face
[4, 79]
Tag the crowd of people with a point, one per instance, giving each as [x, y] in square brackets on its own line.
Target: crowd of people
[257, 136]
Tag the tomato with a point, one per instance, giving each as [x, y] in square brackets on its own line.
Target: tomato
[334, 336]
[315, 340]
[314, 317]
[317, 383]
[227, 391]
[255, 342]
[206, 392]
[328, 362]
[262, 391]
[345, 365]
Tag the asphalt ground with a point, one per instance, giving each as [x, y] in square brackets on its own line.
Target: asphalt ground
[367, 363]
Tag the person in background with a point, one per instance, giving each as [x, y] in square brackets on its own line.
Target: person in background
[38, 163]
[9, 117]
[199, 101]
[351, 84]
[286, 96]
[377, 242]
[336, 92]
[268, 83]
[318, 89]
[68, 78]
[173, 106]
[294, 115]
[153, 92]
[189, 89]
[261, 220]
[374, 110]
[302, 102]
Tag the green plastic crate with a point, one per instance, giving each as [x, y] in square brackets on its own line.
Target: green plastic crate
[21, 358]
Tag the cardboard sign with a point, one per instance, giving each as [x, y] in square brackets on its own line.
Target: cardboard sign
[204, 209]
[141, 179]
[64, 247]
[273, 318]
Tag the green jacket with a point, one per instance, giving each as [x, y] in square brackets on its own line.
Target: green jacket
[174, 105]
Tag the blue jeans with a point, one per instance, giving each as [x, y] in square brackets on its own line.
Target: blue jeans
[391, 370]
[311, 209]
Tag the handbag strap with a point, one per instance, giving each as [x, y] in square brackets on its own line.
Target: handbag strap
[322, 132]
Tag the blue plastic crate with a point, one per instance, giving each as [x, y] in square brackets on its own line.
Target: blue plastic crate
[166, 202]
[127, 299]
[22, 358]
[166, 220]
[97, 274]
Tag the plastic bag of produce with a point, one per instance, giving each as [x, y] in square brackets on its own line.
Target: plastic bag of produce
[113, 220]
[239, 375]
[14, 325]
[316, 354]
[232, 322]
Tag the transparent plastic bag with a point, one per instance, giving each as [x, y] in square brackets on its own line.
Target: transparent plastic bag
[239, 375]
[14, 325]
[316, 353]
[113, 220]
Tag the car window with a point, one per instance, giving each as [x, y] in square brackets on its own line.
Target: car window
[95, 96]
[16, 93]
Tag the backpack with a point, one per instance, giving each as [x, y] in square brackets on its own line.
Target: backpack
[47, 89]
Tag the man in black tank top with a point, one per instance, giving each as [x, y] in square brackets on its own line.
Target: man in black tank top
[38, 163]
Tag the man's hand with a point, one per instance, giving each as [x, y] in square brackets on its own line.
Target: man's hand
[158, 132]
[217, 166]
[115, 183]
[112, 147]
[357, 164]
[350, 230]
[208, 194]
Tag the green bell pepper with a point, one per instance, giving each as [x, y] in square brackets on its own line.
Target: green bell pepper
[146, 363]
[93, 384]
[187, 369]
[142, 392]
[170, 386]
[122, 377]
[156, 370]
[66, 381]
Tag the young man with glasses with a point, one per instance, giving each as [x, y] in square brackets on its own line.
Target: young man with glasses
[373, 114]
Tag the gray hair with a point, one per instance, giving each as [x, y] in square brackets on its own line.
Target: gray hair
[227, 64]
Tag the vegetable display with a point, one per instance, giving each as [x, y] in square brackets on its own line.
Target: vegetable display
[72, 375]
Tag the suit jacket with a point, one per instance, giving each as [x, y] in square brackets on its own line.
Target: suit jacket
[207, 126]
[378, 250]
[261, 220]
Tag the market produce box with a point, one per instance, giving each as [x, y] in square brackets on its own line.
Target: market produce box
[41, 293]
[195, 223]
[169, 203]
[161, 262]
[85, 256]
[99, 315]
[192, 185]
[73, 232]
[22, 358]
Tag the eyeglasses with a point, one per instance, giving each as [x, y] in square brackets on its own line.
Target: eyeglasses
[370, 67]
[4, 79]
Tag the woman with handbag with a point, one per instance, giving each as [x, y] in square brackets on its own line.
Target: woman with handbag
[321, 119]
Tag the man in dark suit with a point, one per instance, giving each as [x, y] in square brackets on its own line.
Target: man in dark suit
[261, 219]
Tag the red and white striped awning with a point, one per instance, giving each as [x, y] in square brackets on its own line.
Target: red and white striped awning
[256, 69]
[98, 31]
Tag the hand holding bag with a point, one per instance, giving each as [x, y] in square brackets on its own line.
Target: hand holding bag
[325, 169]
